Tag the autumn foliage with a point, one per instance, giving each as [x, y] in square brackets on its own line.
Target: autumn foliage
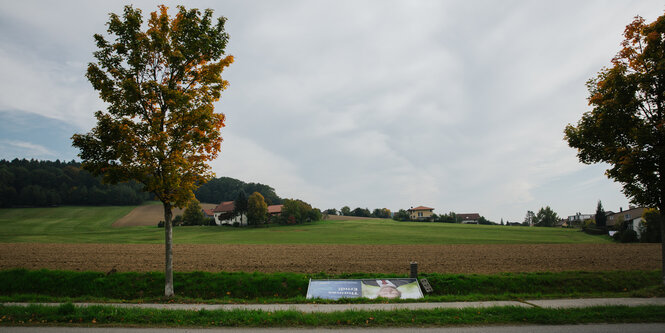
[160, 84]
[626, 125]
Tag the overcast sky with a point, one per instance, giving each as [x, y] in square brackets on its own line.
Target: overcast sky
[455, 105]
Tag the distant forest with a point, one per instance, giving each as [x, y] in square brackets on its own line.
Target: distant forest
[221, 189]
[34, 183]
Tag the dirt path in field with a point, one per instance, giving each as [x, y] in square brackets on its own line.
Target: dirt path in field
[334, 258]
[149, 215]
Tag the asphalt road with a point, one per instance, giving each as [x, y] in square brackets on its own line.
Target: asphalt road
[594, 328]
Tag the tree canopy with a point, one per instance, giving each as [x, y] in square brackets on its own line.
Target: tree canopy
[626, 125]
[221, 189]
[546, 217]
[600, 217]
[257, 209]
[193, 214]
[160, 84]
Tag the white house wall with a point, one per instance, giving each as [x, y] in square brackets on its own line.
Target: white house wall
[231, 220]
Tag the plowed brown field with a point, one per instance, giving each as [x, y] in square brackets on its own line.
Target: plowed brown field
[334, 258]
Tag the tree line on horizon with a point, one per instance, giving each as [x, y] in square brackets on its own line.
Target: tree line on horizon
[35, 183]
[401, 215]
[44, 183]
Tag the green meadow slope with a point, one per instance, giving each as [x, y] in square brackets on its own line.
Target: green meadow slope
[93, 225]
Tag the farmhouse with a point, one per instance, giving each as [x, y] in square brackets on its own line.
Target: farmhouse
[420, 213]
[208, 213]
[275, 210]
[470, 218]
[224, 214]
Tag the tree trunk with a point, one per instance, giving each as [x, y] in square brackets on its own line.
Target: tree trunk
[168, 241]
[662, 241]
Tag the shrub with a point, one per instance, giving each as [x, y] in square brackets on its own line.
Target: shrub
[160, 224]
[626, 236]
[594, 230]
[650, 227]
[193, 214]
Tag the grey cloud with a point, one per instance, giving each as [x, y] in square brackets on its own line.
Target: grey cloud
[458, 105]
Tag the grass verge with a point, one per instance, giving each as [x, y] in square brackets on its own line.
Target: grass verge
[69, 314]
[63, 286]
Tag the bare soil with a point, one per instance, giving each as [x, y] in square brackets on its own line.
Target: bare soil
[334, 258]
[149, 215]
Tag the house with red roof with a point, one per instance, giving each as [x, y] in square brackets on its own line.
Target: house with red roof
[468, 218]
[208, 213]
[420, 213]
[275, 210]
[224, 214]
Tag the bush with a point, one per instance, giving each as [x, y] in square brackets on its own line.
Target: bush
[314, 215]
[626, 236]
[193, 214]
[594, 230]
[160, 224]
[236, 224]
[650, 227]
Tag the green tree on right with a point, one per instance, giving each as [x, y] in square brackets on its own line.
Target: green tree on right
[626, 125]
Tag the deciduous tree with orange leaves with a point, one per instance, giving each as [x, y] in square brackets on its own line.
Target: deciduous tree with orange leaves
[160, 82]
[626, 126]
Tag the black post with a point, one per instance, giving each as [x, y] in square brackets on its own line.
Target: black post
[414, 270]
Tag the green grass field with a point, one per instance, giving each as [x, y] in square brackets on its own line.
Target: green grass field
[93, 225]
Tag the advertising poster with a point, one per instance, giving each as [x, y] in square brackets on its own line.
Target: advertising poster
[368, 288]
[334, 289]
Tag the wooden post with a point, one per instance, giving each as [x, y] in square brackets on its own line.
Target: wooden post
[414, 269]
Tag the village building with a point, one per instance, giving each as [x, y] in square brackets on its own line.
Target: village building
[208, 213]
[420, 213]
[578, 219]
[469, 218]
[274, 210]
[224, 213]
[632, 216]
